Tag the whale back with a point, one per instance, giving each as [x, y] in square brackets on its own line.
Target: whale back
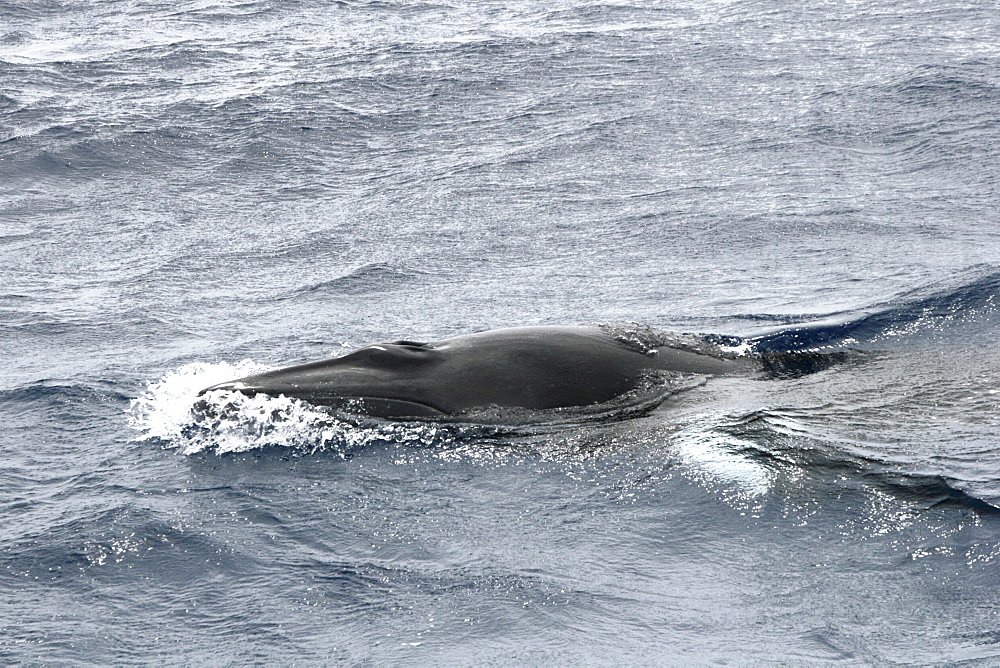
[535, 368]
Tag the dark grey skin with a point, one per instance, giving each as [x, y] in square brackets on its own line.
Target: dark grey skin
[534, 368]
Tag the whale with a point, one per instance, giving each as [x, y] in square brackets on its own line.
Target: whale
[534, 368]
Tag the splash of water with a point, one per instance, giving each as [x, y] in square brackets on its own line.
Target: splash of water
[171, 411]
[164, 409]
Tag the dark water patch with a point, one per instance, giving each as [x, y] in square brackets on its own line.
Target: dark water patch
[122, 539]
[173, 61]
[15, 36]
[9, 105]
[931, 491]
[785, 365]
[101, 153]
[937, 312]
[369, 279]
[14, 237]
[322, 245]
[58, 152]
[21, 78]
[935, 85]
[935, 117]
[58, 398]
[28, 10]
[776, 440]
[360, 586]
[63, 133]
[14, 325]
[601, 12]
[17, 300]
[233, 13]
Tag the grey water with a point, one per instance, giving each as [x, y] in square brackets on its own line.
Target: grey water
[193, 190]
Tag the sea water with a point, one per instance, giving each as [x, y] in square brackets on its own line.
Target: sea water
[196, 190]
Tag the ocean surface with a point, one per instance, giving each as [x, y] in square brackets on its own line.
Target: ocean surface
[194, 190]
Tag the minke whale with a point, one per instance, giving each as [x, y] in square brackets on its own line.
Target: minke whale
[533, 368]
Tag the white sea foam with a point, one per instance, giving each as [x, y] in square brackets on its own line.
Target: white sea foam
[164, 409]
[171, 410]
[742, 349]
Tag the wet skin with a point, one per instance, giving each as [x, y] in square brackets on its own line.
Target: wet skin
[525, 367]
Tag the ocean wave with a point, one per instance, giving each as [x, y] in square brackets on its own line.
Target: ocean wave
[119, 534]
[787, 442]
[970, 83]
[47, 394]
[369, 278]
[943, 311]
